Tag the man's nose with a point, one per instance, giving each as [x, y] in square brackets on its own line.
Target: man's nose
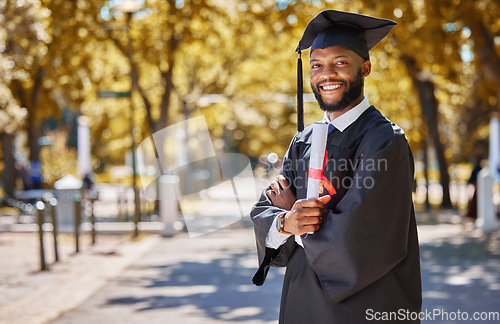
[328, 71]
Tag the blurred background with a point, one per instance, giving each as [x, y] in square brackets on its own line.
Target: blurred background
[437, 75]
[83, 82]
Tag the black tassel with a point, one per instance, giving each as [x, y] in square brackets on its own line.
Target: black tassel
[300, 97]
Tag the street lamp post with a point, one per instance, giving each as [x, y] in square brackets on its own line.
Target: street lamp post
[129, 7]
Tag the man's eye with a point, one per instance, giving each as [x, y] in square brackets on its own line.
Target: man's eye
[315, 66]
[340, 63]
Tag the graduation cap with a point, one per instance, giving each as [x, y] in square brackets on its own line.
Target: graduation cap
[358, 33]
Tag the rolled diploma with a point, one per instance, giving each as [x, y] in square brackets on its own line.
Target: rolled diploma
[318, 145]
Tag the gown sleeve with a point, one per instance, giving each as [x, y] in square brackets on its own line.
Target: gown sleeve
[366, 234]
[263, 214]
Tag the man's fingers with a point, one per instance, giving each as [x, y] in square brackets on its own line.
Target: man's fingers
[270, 194]
[308, 212]
[275, 186]
[312, 220]
[282, 181]
[311, 202]
[325, 199]
[311, 228]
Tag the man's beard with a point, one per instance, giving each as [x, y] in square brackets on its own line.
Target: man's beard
[354, 88]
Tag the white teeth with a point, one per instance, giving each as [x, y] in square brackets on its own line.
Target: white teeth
[331, 87]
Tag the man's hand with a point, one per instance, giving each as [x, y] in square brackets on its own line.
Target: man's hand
[305, 215]
[283, 196]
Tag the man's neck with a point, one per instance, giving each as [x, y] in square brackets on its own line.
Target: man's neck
[334, 114]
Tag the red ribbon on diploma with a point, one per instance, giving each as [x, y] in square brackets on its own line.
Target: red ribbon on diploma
[318, 174]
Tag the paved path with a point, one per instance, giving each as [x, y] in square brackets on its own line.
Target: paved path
[206, 279]
[460, 273]
[29, 296]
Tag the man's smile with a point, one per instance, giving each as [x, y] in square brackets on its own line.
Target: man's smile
[330, 86]
[331, 91]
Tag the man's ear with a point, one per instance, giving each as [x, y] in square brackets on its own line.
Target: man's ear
[366, 68]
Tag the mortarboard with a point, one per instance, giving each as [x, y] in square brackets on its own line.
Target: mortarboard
[356, 32]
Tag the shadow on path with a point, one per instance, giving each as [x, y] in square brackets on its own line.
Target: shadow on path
[221, 288]
[460, 273]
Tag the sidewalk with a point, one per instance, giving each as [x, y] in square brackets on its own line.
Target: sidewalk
[460, 271]
[28, 295]
[207, 279]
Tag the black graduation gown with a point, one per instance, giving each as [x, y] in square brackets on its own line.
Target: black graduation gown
[363, 262]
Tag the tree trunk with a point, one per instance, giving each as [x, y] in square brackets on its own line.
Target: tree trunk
[427, 89]
[33, 129]
[31, 104]
[33, 144]
[9, 171]
[429, 104]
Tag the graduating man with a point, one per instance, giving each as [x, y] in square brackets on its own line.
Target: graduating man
[352, 255]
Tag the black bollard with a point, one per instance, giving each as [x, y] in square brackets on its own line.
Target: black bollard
[121, 216]
[40, 206]
[93, 197]
[78, 217]
[53, 203]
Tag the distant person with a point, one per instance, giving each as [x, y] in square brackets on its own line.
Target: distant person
[471, 212]
[88, 183]
[36, 174]
[361, 263]
[23, 171]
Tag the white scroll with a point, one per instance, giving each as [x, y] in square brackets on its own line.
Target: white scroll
[317, 156]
